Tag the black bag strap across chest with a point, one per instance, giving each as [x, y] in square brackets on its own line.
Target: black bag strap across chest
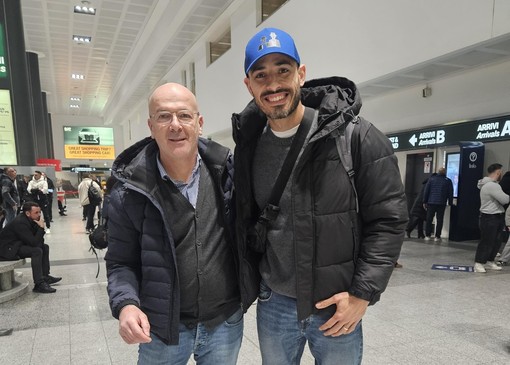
[271, 209]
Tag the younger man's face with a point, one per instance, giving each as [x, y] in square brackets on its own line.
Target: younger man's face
[275, 83]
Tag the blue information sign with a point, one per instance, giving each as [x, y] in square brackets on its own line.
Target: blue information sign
[448, 267]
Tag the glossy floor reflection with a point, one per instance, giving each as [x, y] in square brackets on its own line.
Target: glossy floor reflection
[425, 317]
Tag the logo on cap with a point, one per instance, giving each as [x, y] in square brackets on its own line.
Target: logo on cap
[267, 41]
[273, 42]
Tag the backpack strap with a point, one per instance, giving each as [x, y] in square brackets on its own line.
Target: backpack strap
[343, 141]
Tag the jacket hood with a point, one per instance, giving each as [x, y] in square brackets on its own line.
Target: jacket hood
[125, 164]
[484, 181]
[336, 98]
[332, 95]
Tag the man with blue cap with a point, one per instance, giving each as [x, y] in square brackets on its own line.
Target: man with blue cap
[328, 243]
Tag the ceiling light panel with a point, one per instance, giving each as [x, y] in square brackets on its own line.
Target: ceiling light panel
[79, 9]
[82, 39]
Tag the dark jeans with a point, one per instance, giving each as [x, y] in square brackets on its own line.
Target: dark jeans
[40, 260]
[50, 206]
[438, 211]
[46, 215]
[90, 211]
[10, 214]
[415, 221]
[490, 226]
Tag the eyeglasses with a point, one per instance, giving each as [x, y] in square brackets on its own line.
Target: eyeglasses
[184, 117]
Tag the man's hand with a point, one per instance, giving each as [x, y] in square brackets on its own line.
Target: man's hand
[349, 311]
[425, 206]
[40, 223]
[134, 326]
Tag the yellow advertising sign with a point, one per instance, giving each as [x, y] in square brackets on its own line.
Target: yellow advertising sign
[7, 142]
[89, 152]
[93, 143]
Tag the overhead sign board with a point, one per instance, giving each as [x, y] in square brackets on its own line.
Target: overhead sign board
[486, 130]
[3, 53]
[7, 140]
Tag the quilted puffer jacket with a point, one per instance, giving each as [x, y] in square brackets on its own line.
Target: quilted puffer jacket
[337, 249]
[141, 258]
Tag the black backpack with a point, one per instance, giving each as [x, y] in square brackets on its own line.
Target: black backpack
[99, 239]
[94, 195]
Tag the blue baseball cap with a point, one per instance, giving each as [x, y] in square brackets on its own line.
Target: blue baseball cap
[267, 41]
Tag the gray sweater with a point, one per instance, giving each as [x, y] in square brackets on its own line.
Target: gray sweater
[277, 267]
[492, 197]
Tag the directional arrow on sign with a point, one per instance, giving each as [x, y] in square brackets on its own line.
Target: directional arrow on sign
[413, 140]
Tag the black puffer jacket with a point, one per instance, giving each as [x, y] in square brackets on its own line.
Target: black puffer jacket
[337, 250]
[141, 259]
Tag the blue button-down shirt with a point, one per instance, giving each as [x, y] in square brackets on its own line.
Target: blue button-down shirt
[188, 189]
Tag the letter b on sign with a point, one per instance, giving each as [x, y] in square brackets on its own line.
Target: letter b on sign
[440, 136]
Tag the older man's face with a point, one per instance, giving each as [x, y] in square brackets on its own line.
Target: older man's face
[11, 172]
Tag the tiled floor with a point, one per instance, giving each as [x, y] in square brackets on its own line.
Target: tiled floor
[425, 317]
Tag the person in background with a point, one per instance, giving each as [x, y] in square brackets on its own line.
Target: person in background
[438, 192]
[418, 214]
[23, 238]
[24, 196]
[171, 262]
[4, 331]
[504, 258]
[492, 220]
[110, 182]
[322, 262]
[49, 196]
[38, 189]
[10, 194]
[83, 194]
[61, 199]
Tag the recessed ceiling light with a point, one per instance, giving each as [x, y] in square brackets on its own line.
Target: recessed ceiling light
[81, 38]
[74, 106]
[77, 77]
[79, 9]
[75, 98]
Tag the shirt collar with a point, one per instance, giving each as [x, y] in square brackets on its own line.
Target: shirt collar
[167, 177]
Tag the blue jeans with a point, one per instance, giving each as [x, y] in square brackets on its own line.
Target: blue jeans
[10, 214]
[219, 345]
[282, 337]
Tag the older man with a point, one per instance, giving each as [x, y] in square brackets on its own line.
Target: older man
[171, 260]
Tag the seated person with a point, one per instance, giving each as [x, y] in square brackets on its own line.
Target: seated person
[24, 237]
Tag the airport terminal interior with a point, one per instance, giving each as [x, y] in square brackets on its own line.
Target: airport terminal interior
[425, 316]
[433, 76]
